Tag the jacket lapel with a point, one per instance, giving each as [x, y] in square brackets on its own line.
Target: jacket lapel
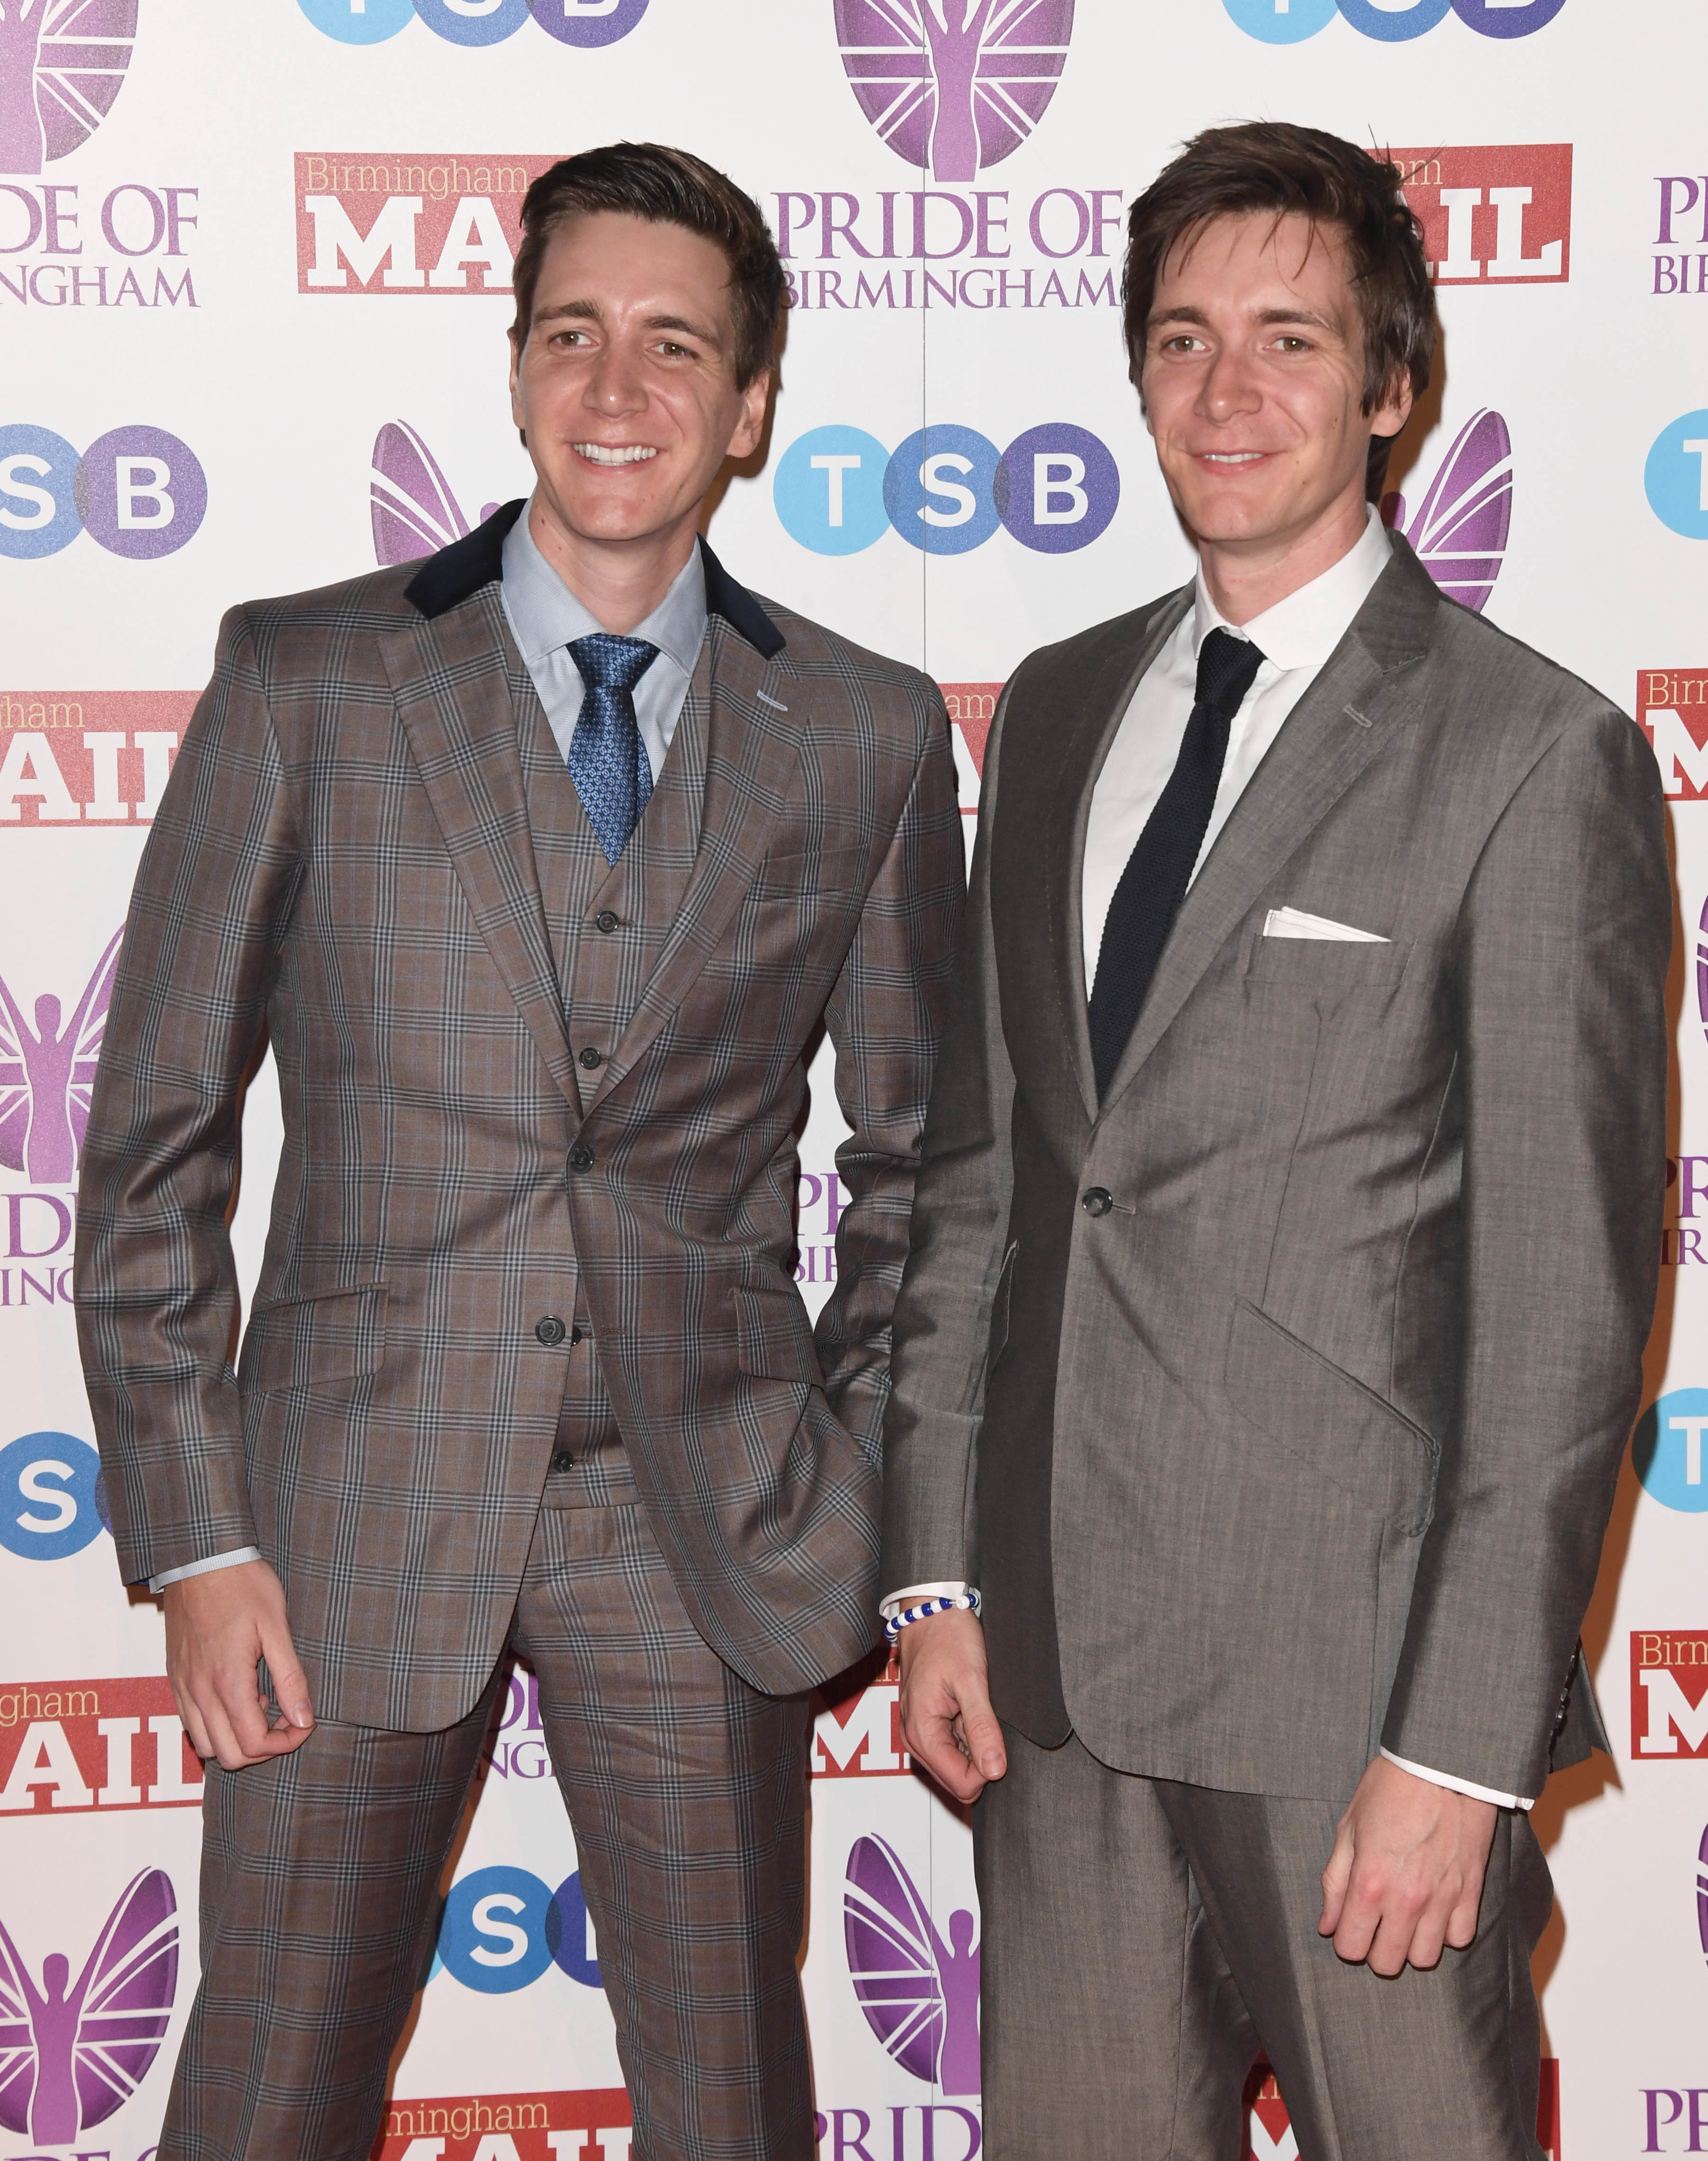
[1346, 718]
[752, 747]
[1092, 727]
[450, 674]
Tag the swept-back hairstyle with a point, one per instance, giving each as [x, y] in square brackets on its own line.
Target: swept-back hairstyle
[1270, 166]
[666, 187]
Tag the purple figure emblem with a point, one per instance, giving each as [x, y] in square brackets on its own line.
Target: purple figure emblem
[71, 2057]
[920, 1995]
[1461, 532]
[953, 85]
[1702, 1893]
[414, 513]
[61, 63]
[46, 1073]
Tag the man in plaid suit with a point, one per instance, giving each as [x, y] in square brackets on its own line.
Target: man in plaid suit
[526, 1365]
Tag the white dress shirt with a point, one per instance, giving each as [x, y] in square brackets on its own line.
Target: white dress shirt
[544, 616]
[1296, 638]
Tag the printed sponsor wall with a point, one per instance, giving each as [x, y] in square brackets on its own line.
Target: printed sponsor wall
[957, 472]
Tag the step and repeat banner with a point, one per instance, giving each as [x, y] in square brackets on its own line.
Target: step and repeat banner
[254, 284]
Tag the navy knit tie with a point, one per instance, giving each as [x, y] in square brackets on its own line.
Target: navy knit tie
[608, 762]
[1154, 883]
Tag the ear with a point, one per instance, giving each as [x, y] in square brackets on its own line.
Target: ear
[515, 379]
[1395, 408]
[751, 426]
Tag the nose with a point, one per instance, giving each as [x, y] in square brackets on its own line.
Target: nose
[1229, 387]
[615, 385]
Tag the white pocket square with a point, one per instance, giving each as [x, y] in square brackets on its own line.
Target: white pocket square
[1295, 922]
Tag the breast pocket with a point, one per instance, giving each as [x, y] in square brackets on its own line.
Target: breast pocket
[1329, 971]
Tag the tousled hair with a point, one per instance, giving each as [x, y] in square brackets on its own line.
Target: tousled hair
[1271, 166]
[665, 186]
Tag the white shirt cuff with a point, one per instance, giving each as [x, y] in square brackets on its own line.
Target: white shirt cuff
[890, 1606]
[1458, 1785]
[204, 1567]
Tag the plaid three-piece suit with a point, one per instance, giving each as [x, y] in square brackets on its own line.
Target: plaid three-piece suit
[531, 1243]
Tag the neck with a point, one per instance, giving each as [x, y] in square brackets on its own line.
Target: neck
[619, 582]
[1244, 578]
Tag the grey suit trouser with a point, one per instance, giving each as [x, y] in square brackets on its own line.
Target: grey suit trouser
[687, 1791]
[1143, 1940]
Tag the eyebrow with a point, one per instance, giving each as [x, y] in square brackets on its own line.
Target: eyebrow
[1266, 315]
[590, 311]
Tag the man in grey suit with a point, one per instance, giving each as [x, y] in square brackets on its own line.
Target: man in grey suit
[1283, 1250]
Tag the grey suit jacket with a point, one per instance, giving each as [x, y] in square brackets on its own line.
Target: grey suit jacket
[344, 861]
[1307, 1443]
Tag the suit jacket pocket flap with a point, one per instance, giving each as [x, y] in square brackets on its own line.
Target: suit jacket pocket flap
[1342, 1430]
[774, 1338]
[302, 1342]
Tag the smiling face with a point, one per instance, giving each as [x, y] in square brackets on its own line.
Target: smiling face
[1253, 381]
[625, 388]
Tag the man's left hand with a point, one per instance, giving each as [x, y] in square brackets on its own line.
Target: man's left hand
[1406, 1874]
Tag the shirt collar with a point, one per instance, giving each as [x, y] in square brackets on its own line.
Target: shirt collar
[1302, 630]
[545, 614]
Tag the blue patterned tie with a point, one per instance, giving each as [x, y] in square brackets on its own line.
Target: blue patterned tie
[608, 762]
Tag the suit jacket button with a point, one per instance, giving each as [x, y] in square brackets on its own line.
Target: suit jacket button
[1097, 1200]
[551, 1330]
[591, 1058]
[562, 1460]
[580, 1156]
[605, 921]
[574, 1335]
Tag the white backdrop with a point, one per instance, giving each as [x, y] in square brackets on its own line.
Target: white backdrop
[246, 252]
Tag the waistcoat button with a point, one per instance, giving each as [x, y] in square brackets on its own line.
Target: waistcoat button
[1098, 1201]
[604, 920]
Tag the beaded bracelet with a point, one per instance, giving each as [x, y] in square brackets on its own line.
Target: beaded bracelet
[968, 1602]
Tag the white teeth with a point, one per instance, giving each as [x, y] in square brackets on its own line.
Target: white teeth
[1231, 457]
[629, 454]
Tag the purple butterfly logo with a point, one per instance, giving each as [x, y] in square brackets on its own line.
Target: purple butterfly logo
[61, 63]
[920, 1995]
[1461, 532]
[414, 513]
[47, 1073]
[70, 2056]
[953, 85]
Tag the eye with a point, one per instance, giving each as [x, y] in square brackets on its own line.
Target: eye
[1182, 342]
[1290, 342]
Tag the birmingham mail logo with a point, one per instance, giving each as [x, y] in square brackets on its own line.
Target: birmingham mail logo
[1492, 214]
[1669, 1695]
[1672, 711]
[1389, 22]
[919, 1994]
[72, 2053]
[953, 86]
[61, 64]
[1460, 531]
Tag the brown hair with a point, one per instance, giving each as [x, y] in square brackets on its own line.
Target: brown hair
[666, 187]
[1270, 165]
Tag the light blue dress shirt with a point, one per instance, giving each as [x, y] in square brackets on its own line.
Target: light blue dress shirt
[544, 616]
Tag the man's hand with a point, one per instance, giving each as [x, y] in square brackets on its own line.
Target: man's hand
[1406, 1873]
[947, 1722]
[217, 1626]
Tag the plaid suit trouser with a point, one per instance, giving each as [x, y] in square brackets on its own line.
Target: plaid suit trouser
[686, 1790]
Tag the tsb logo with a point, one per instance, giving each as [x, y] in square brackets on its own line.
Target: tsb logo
[1668, 1450]
[1675, 477]
[503, 1928]
[139, 492]
[946, 489]
[1393, 21]
[51, 1502]
[475, 22]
